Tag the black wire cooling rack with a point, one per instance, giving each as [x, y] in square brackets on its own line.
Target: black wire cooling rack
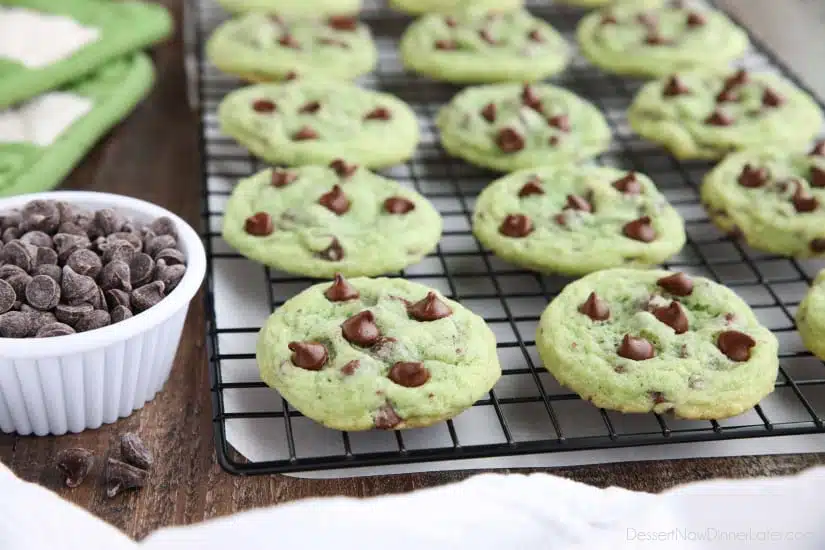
[527, 412]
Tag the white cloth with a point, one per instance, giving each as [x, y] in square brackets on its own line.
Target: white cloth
[43, 119]
[37, 40]
[486, 512]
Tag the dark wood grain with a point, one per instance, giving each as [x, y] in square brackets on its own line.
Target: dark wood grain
[153, 155]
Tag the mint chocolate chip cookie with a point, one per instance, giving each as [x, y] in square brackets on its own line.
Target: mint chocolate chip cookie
[477, 46]
[706, 114]
[810, 317]
[377, 353]
[774, 200]
[614, 3]
[577, 219]
[294, 8]
[416, 7]
[315, 121]
[318, 221]
[260, 47]
[508, 127]
[656, 42]
[640, 341]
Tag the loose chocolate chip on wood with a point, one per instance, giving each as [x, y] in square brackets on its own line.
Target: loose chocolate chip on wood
[516, 226]
[628, 184]
[308, 355]
[343, 23]
[75, 465]
[636, 349]
[595, 308]
[20, 254]
[379, 113]
[45, 256]
[673, 316]
[93, 320]
[310, 107]
[532, 187]
[678, 284]
[341, 290]
[674, 87]
[42, 292]
[342, 168]
[40, 215]
[735, 345]
[429, 308]
[15, 324]
[562, 122]
[72, 314]
[398, 205]
[120, 313]
[147, 296]
[575, 202]
[140, 269]
[752, 178]
[121, 477]
[771, 98]
[305, 134]
[78, 288]
[37, 238]
[52, 330]
[133, 451]
[489, 112]
[169, 275]
[259, 225]
[509, 140]
[115, 274]
[264, 106]
[410, 374]
[334, 252]
[386, 418]
[350, 368]
[360, 329]
[446, 45]
[117, 297]
[335, 200]
[640, 230]
[718, 118]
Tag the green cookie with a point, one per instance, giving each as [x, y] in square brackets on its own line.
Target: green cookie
[377, 353]
[314, 121]
[640, 341]
[509, 127]
[416, 7]
[577, 219]
[259, 47]
[109, 94]
[648, 42]
[707, 114]
[50, 44]
[300, 8]
[773, 199]
[478, 46]
[810, 317]
[613, 3]
[317, 221]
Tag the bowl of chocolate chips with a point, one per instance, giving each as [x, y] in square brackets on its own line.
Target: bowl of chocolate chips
[94, 291]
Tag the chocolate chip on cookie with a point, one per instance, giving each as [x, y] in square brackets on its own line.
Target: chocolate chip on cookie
[489, 112]
[430, 308]
[817, 177]
[675, 87]
[719, 118]
[343, 23]
[628, 184]
[259, 225]
[804, 203]
[341, 290]
[360, 329]
[289, 41]
[535, 36]
[636, 349]
[818, 149]
[342, 168]
[386, 418]
[562, 122]
[640, 230]
[308, 355]
[595, 308]
[282, 178]
[516, 226]
[530, 98]
[673, 316]
[379, 113]
[678, 284]
[532, 187]
[398, 205]
[509, 140]
[410, 374]
[350, 368]
[695, 19]
[306, 133]
[735, 345]
[753, 177]
[771, 98]
[446, 45]
[335, 200]
[575, 202]
[334, 252]
[310, 107]
[264, 106]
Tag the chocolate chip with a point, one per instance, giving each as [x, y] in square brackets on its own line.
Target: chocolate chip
[158, 243]
[595, 308]
[52, 330]
[535, 36]
[115, 274]
[334, 252]
[343, 169]
[42, 292]
[259, 225]
[360, 329]
[140, 269]
[695, 19]
[72, 314]
[20, 254]
[429, 308]
[409, 374]
[10, 234]
[727, 95]
[636, 349]
[647, 19]
[291, 75]
[7, 296]
[678, 284]
[164, 226]
[817, 246]
[609, 19]
[121, 477]
[85, 262]
[817, 177]
[386, 418]
[341, 290]
[45, 256]
[675, 87]
[771, 98]
[446, 45]
[308, 355]
[117, 297]
[398, 205]
[718, 118]
[169, 275]
[350, 368]
[562, 122]
[40, 215]
[282, 178]
[264, 106]
[509, 141]
[93, 320]
[655, 39]
[752, 178]
[818, 149]
[379, 113]
[516, 226]
[37, 238]
[532, 187]
[673, 316]
[489, 112]
[147, 296]
[553, 141]
[450, 21]
[343, 23]
[66, 243]
[15, 324]
[18, 283]
[735, 345]
[575, 202]
[78, 288]
[530, 99]
[136, 241]
[310, 107]
[485, 35]
[120, 313]
[335, 200]
[640, 230]
[9, 270]
[304, 134]
[75, 464]
[289, 41]
[109, 221]
[135, 452]
[628, 184]
[13, 218]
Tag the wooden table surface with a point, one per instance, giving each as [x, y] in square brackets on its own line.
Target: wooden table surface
[153, 156]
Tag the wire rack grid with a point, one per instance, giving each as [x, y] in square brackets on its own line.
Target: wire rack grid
[527, 412]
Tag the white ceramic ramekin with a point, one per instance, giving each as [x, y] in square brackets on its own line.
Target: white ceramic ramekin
[71, 383]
